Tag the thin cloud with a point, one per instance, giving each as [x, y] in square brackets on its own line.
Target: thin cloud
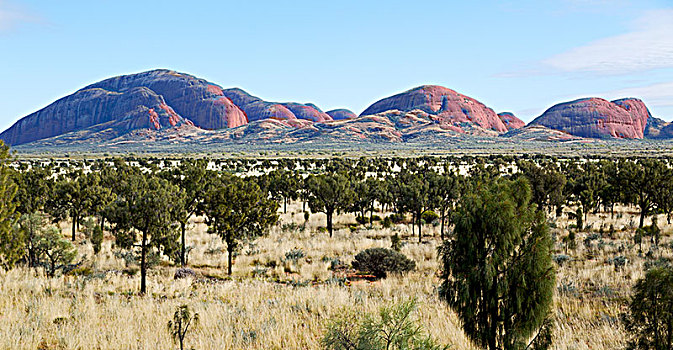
[654, 95]
[12, 16]
[649, 46]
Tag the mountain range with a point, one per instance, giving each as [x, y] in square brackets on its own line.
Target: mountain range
[167, 105]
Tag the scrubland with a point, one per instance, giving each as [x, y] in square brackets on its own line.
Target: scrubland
[274, 302]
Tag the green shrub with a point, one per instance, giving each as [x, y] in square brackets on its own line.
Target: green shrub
[381, 261]
[376, 218]
[396, 218]
[429, 216]
[294, 255]
[387, 223]
[395, 242]
[362, 220]
[392, 328]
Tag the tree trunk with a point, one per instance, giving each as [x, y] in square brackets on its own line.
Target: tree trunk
[642, 218]
[230, 257]
[102, 223]
[73, 227]
[441, 230]
[284, 205]
[329, 223]
[612, 211]
[143, 266]
[420, 232]
[182, 243]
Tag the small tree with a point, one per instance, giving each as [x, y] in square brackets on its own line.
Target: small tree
[237, 209]
[57, 252]
[11, 245]
[329, 194]
[191, 176]
[179, 325]
[146, 205]
[498, 274]
[69, 199]
[93, 233]
[651, 319]
[413, 196]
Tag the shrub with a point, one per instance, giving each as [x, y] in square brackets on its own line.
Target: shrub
[429, 216]
[387, 222]
[376, 218]
[396, 218]
[381, 261]
[294, 255]
[396, 242]
[362, 220]
[392, 328]
[561, 258]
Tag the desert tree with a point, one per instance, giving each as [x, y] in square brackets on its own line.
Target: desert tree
[34, 188]
[237, 209]
[444, 191]
[56, 251]
[10, 245]
[283, 186]
[329, 193]
[68, 199]
[640, 182]
[97, 197]
[144, 214]
[412, 193]
[192, 176]
[546, 182]
[650, 320]
[497, 267]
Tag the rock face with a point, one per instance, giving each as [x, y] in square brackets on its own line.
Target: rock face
[156, 99]
[167, 106]
[447, 106]
[258, 109]
[341, 114]
[598, 118]
[196, 99]
[511, 121]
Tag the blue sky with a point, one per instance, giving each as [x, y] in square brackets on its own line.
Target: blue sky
[519, 56]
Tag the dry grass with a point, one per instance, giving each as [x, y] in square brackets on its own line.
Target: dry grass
[274, 304]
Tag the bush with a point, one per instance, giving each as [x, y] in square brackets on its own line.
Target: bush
[362, 220]
[392, 328]
[381, 261]
[429, 216]
[376, 218]
[294, 255]
[396, 218]
[396, 242]
[387, 223]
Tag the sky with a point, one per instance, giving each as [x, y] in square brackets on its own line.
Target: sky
[519, 56]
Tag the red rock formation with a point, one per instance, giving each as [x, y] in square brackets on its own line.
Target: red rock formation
[511, 121]
[341, 114]
[598, 118]
[451, 107]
